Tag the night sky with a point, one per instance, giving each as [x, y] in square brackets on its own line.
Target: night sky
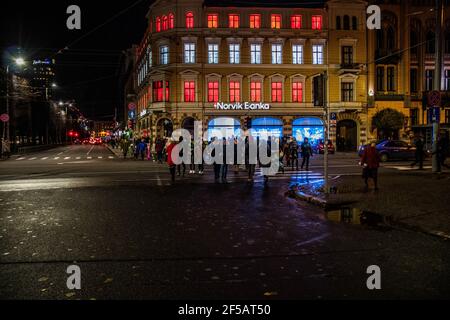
[88, 71]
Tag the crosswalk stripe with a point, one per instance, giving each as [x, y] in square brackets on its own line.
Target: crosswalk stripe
[100, 157]
[34, 158]
[45, 158]
[89, 158]
[111, 157]
[78, 158]
[55, 158]
[19, 159]
[66, 158]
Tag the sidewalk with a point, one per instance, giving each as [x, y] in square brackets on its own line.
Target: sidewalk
[416, 200]
[116, 151]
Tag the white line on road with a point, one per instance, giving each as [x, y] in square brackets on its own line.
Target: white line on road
[20, 159]
[44, 158]
[100, 157]
[90, 150]
[89, 158]
[78, 158]
[55, 158]
[110, 157]
[34, 158]
[67, 158]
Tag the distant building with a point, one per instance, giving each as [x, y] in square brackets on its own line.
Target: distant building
[42, 77]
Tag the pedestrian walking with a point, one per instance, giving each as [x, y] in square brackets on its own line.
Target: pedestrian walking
[307, 153]
[293, 150]
[266, 165]
[159, 148]
[250, 162]
[170, 160]
[224, 165]
[370, 161]
[182, 165]
[419, 154]
[192, 165]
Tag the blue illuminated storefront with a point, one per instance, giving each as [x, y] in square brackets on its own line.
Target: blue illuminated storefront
[267, 127]
[308, 127]
[224, 127]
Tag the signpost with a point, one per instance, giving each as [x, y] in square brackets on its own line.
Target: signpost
[4, 117]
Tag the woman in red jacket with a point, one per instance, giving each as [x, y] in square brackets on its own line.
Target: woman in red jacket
[370, 160]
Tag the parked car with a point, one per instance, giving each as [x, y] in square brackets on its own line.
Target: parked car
[393, 150]
[320, 148]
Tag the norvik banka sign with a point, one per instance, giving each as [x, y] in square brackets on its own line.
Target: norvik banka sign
[242, 106]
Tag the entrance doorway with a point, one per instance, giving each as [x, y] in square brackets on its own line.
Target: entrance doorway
[347, 136]
[164, 128]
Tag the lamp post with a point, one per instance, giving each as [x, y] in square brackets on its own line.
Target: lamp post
[6, 132]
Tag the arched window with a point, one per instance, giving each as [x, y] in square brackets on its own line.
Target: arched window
[189, 20]
[158, 24]
[414, 41]
[346, 22]
[430, 43]
[165, 22]
[171, 21]
[267, 127]
[390, 38]
[338, 23]
[354, 23]
[310, 127]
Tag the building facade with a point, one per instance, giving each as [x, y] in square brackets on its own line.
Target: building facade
[230, 66]
[42, 77]
[401, 64]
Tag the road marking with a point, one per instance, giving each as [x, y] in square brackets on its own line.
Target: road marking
[110, 157]
[78, 158]
[45, 158]
[55, 158]
[60, 153]
[100, 157]
[66, 158]
[20, 159]
[89, 158]
[90, 150]
[34, 158]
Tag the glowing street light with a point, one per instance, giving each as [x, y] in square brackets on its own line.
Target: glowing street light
[19, 61]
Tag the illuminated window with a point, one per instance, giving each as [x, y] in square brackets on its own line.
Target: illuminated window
[233, 21]
[213, 53]
[347, 91]
[276, 54]
[234, 53]
[189, 20]
[171, 21]
[165, 22]
[297, 54]
[167, 91]
[213, 20]
[255, 91]
[235, 91]
[158, 91]
[158, 24]
[189, 53]
[296, 21]
[189, 91]
[213, 91]
[316, 22]
[164, 55]
[297, 92]
[277, 92]
[275, 21]
[317, 54]
[255, 21]
[255, 53]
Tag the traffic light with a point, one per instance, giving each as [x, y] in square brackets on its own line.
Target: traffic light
[248, 123]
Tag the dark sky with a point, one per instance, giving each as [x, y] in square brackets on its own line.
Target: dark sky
[87, 72]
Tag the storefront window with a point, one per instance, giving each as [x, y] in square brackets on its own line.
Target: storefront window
[224, 128]
[311, 128]
[267, 127]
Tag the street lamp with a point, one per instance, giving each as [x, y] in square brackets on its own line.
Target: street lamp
[19, 61]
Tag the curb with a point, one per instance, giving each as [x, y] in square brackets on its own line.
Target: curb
[324, 204]
[119, 155]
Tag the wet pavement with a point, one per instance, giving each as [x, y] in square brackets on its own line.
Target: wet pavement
[135, 236]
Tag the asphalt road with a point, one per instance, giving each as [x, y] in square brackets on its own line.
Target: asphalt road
[135, 236]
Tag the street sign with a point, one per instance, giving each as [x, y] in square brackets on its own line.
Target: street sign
[131, 106]
[434, 98]
[4, 117]
[434, 115]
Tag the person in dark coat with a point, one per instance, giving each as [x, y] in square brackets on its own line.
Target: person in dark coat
[216, 164]
[370, 161]
[307, 153]
[224, 165]
[251, 167]
[266, 165]
[293, 150]
[419, 154]
[182, 165]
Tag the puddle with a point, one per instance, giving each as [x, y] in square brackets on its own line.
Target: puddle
[356, 216]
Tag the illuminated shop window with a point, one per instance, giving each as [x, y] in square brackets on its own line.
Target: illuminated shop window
[316, 22]
[158, 24]
[297, 92]
[277, 91]
[255, 91]
[189, 20]
[296, 21]
[275, 21]
[255, 21]
[213, 91]
[233, 21]
[235, 91]
[213, 20]
[189, 91]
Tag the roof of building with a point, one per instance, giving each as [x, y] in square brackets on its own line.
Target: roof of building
[267, 3]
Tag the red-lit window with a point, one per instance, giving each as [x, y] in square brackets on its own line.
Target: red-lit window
[277, 92]
[255, 91]
[165, 22]
[189, 91]
[275, 21]
[255, 21]
[158, 24]
[189, 20]
[157, 91]
[167, 91]
[233, 21]
[213, 20]
[296, 21]
[171, 21]
[235, 91]
[316, 22]
[213, 91]
[297, 92]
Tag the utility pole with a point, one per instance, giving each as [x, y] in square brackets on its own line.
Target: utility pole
[327, 134]
[437, 77]
[6, 127]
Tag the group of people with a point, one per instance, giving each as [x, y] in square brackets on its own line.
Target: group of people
[290, 151]
[5, 149]
[442, 151]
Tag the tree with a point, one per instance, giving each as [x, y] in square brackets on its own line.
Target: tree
[388, 122]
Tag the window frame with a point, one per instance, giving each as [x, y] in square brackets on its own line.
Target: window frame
[256, 23]
[296, 24]
[189, 20]
[317, 22]
[212, 23]
[275, 21]
[234, 55]
[234, 20]
[277, 56]
[255, 55]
